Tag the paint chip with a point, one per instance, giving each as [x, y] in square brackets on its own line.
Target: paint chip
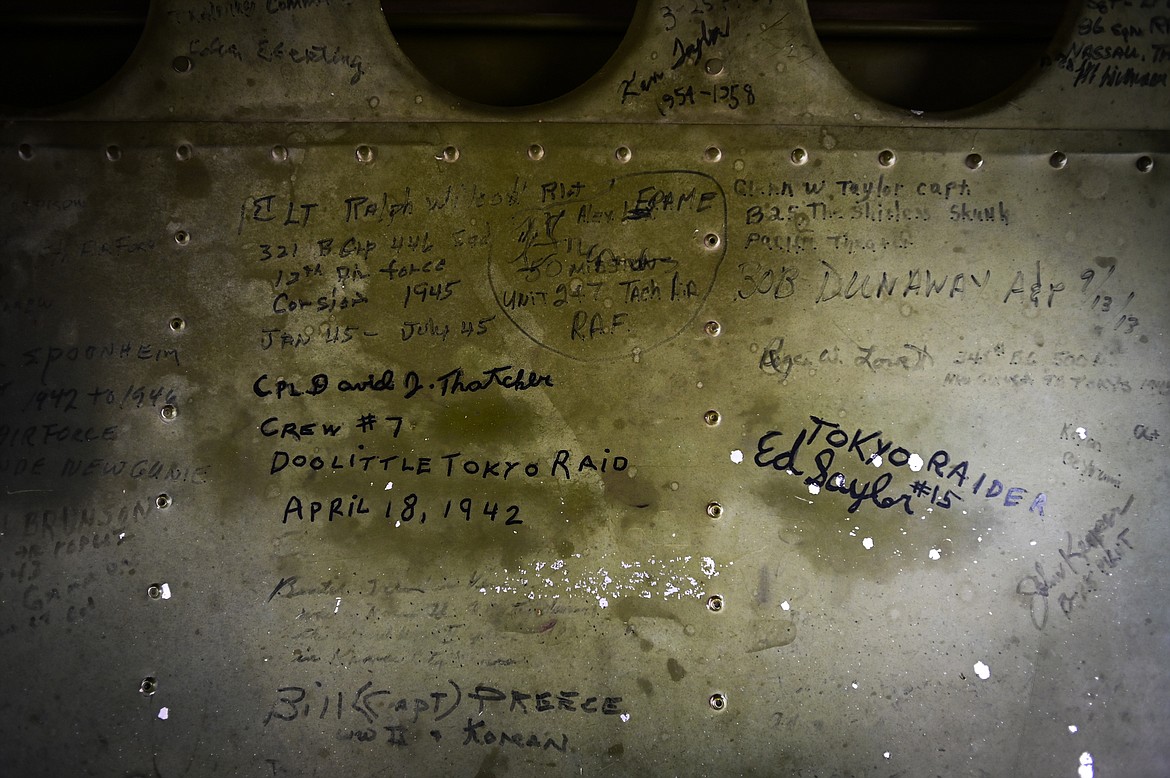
[915, 462]
[1072, 728]
[707, 565]
[867, 542]
[164, 713]
[876, 460]
[886, 755]
[814, 489]
[625, 717]
[1086, 768]
[784, 606]
[982, 670]
[936, 554]
[1082, 433]
[603, 602]
[166, 591]
[389, 486]
[737, 456]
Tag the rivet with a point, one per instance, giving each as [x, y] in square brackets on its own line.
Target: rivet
[182, 237]
[148, 686]
[717, 701]
[974, 161]
[1145, 164]
[798, 156]
[715, 604]
[154, 591]
[279, 154]
[714, 66]
[364, 153]
[169, 412]
[711, 241]
[113, 153]
[712, 328]
[1058, 160]
[178, 324]
[183, 152]
[182, 64]
[887, 158]
[713, 154]
[163, 501]
[25, 151]
[711, 418]
[450, 154]
[536, 152]
[714, 510]
[623, 154]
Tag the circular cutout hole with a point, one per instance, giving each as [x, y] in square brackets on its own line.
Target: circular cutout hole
[712, 328]
[886, 158]
[1145, 164]
[714, 66]
[1058, 160]
[974, 161]
[169, 412]
[148, 686]
[718, 701]
[177, 324]
[182, 64]
[182, 237]
[714, 510]
[450, 154]
[711, 418]
[799, 156]
[711, 241]
[503, 53]
[113, 153]
[154, 591]
[184, 152]
[25, 151]
[279, 154]
[68, 49]
[623, 154]
[928, 55]
[715, 604]
[713, 154]
[536, 152]
[364, 153]
[163, 501]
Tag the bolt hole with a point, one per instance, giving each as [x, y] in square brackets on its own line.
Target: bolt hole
[714, 510]
[718, 701]
[623, 154]
[178, 324]
[1145, 164]
[536, 152]
[974, 161]
[25, 151]
[1058, 160]
[163, 501]
[182, 237]
[169, 412]
[711, 240]
[183, 152]
[154, 591]
[182, 64]
[712, 328]
[364, 153]
[715, 604]
[113, 153]
[887, 158]
[713, 154]
[148, 686]
[711, 418]
[798, 156]
[450, 154]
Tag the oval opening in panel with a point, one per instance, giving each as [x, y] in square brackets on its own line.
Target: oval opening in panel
[508, 52]
[65, 49]
[936, 55]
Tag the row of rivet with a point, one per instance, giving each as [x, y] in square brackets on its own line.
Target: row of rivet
[799, 156]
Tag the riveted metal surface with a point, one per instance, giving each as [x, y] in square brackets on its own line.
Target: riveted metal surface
[352, 430]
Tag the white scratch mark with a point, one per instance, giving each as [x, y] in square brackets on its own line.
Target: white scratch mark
[337, 607]
[625, 717]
